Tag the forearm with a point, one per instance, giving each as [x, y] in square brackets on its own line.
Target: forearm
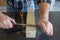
[44, 10]
[44, 23]
[2, 15]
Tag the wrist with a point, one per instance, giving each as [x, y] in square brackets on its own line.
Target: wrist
[44, 19]
[44, 16]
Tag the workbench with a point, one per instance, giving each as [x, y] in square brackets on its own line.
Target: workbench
[13, 36]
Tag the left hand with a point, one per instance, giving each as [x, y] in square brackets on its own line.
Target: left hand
[46, 27]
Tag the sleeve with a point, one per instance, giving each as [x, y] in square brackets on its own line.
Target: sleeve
[48, 1]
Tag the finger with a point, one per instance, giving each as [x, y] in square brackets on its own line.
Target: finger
[48, 28]
[51, 32]
[12, 20]
[43, 27]
[2, 25]
[9, 24]
[5, 24]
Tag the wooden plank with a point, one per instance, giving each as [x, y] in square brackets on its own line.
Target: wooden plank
[2, 2]
[30, 31]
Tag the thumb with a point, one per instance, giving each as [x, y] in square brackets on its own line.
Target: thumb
[43, 27]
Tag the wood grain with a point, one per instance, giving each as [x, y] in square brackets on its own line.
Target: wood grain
[2, 2]
[30, 31]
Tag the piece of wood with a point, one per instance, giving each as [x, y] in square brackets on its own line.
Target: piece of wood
[2, 2]
[30, 31]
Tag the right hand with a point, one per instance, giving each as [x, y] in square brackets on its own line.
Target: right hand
[6, 21]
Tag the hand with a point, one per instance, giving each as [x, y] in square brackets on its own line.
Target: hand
[46, 27]
[6, 22]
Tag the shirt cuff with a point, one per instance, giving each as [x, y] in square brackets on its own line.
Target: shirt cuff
[47, 1]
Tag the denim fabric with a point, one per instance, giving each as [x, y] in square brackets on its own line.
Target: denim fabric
[24, 9]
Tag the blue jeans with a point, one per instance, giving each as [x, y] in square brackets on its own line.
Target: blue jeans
[24, 9]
